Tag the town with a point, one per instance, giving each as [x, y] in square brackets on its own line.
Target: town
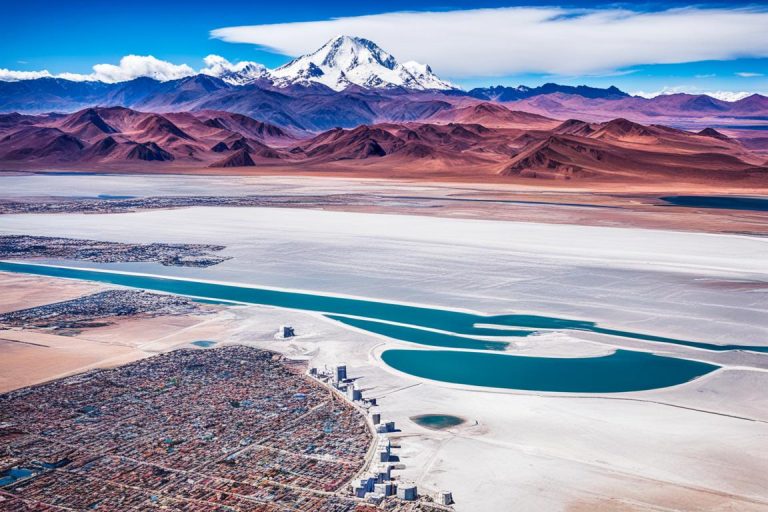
[93, 310]
[125, 204]
[180, 255]
[231, 428]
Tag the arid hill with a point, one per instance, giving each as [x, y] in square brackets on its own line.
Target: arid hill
[468, 142]
[493, 115]
[623, 150]
[118, 135]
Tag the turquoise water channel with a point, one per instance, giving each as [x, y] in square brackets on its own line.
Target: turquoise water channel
[624, 371]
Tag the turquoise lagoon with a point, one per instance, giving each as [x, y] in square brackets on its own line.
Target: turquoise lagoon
[625, 370]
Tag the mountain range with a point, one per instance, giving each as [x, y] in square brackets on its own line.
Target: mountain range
[352, 103]
[316, 107]
[351, 81]
[507, 143]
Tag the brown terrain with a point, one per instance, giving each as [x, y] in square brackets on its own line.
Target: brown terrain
[475, 141]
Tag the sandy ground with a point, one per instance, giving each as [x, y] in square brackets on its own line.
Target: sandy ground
[697, 446]
[32, 356]
[18, 291]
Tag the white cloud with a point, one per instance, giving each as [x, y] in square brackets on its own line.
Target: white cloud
[130, 67]
[720, 95]
[134, 66]
[506, 41]
[216, 65]
[9, 75]
[745, 74]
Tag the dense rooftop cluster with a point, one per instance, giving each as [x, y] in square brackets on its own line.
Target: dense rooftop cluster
[123, 205]
[232, 428]
[88, 310]
[182, 255]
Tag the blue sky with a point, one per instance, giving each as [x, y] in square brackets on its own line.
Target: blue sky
[73, 36]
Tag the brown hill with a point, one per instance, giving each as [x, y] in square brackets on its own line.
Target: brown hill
[571, 157]
[616, 150]
[158, 128]
[240, 158]
[40, 143]
[449, 142]
[493, 115]
[119, 136]
[711, 132]
[244, 125]
[86, 124]
[148, 151]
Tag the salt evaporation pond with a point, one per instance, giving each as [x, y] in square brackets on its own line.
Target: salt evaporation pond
[623, 371]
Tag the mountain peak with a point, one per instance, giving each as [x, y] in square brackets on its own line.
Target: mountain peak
[347, 60]
[348, 51]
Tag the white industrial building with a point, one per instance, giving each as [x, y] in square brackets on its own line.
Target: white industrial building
[407, 492]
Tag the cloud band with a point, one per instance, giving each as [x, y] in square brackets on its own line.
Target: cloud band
[507, 41]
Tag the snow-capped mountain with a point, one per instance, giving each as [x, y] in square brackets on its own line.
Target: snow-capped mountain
[240, 73]
[345, 61]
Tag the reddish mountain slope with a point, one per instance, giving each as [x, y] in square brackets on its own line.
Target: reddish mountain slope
[620, 150]
[493, 115]
[239, 159]
[470, 143]
[117, 135]
[244, 125]
[502, 143]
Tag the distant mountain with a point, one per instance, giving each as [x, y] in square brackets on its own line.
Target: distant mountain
[237, 74]
[502, 93]
[351, 81]
[345, 61]
[492, 115]
[677, 108]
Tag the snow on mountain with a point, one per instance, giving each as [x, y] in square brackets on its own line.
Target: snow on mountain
[341, 62]
[240, 73]
[345, 61]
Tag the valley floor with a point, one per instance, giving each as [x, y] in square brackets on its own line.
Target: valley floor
[490, 198]
[663, 270]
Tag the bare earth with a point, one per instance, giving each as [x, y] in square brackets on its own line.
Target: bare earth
[32, 356]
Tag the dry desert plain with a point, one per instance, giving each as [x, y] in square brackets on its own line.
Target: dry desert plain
[618, 257]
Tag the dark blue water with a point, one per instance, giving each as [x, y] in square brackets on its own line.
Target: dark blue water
[13, 475]
[754, 204]
[621, 371]
[461, 323]
[437, 421]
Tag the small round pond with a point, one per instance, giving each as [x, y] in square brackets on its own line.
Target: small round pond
[204, 343]
[437, 421]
